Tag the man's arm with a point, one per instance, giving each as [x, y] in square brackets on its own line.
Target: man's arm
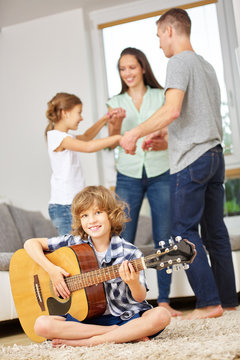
[169, 112]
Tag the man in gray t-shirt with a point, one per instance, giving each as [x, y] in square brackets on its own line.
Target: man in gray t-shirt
[199, 125]
[192, 114]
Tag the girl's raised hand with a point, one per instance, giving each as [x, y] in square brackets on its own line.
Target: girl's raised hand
[116, 116]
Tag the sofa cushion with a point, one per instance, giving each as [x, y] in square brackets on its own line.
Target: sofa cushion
[235, 242]
[10, 240]
[22, 221]
[42, 226]
[233, 226]
[31, 224]
[144, 232]
[5, 258]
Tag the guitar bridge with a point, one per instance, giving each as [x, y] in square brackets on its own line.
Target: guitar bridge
[38, 293]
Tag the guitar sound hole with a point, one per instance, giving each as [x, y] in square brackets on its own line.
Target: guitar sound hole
[57, 308]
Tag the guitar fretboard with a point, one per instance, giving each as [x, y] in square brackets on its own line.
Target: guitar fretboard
[80, 281]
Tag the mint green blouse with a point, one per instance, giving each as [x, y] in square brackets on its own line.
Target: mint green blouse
[155, 162]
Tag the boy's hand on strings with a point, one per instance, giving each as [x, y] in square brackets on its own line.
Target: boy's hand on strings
[57, 276]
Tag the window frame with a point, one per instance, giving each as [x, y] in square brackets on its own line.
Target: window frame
[228, 38]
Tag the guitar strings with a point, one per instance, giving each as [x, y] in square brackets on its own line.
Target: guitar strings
[94, 277]
[97, 276]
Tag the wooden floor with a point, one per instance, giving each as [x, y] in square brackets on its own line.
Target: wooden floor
[11, 333]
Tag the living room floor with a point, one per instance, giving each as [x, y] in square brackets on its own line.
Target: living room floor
[11, 331]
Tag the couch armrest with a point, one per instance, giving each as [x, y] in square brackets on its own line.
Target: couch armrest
[5, 258]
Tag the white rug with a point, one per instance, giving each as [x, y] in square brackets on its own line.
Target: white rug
[215, 339]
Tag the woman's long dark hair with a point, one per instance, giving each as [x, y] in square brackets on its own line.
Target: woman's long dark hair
[148, 76]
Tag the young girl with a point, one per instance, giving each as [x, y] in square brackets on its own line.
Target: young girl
[98, 218]
[65, 113]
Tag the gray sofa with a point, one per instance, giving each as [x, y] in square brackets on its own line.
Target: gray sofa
[16, 226]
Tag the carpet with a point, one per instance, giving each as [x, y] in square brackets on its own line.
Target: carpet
[214, 339]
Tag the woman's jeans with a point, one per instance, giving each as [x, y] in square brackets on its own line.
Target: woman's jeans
[197, 198]
[61, 217]
[157, 190]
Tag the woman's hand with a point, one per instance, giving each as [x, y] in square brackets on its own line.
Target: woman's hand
[156, 141]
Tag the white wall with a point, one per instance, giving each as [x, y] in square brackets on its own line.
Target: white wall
[38, 59]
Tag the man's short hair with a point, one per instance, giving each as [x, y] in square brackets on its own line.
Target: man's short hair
[177, 18]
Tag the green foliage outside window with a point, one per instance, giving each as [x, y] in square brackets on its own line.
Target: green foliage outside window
[232, 197]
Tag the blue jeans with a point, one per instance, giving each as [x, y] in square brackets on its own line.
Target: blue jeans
[61, 217]
[197, 196]
[157, 189]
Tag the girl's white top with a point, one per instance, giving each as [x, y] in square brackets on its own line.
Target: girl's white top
[67, 176]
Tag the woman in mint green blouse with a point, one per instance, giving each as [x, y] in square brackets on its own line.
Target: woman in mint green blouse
[147, 172]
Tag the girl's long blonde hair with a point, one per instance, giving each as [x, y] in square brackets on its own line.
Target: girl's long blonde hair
[61, 101]
[106, 200]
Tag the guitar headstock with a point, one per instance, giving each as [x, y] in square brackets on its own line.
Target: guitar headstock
[179, 252]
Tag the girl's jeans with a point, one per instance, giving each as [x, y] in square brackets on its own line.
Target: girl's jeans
[61, 217]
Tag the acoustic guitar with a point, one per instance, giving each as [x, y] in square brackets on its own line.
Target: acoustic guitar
[33, 291]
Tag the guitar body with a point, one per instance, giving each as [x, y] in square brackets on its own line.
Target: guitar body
[33, 293]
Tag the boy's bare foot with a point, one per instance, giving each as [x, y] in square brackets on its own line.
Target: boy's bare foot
[204, 313]
[230, 308]
[93, 341]
[172, 311]
[72, 342]
[145, 338]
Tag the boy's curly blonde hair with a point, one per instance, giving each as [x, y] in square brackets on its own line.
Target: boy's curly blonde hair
[106, 200]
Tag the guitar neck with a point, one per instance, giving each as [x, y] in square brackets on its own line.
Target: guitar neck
[80, 281]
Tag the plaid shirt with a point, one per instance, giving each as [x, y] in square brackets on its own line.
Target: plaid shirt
[118, 294]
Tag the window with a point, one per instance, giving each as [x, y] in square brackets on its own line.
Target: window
[232, 197]
[210, 25]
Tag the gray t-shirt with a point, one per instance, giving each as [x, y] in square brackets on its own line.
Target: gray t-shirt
[199, 126]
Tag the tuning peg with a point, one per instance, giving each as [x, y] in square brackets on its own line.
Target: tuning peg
[161, 243]
[171, 241]
[178, 238]
[176, 267]
[168, 270]
[185, 266]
